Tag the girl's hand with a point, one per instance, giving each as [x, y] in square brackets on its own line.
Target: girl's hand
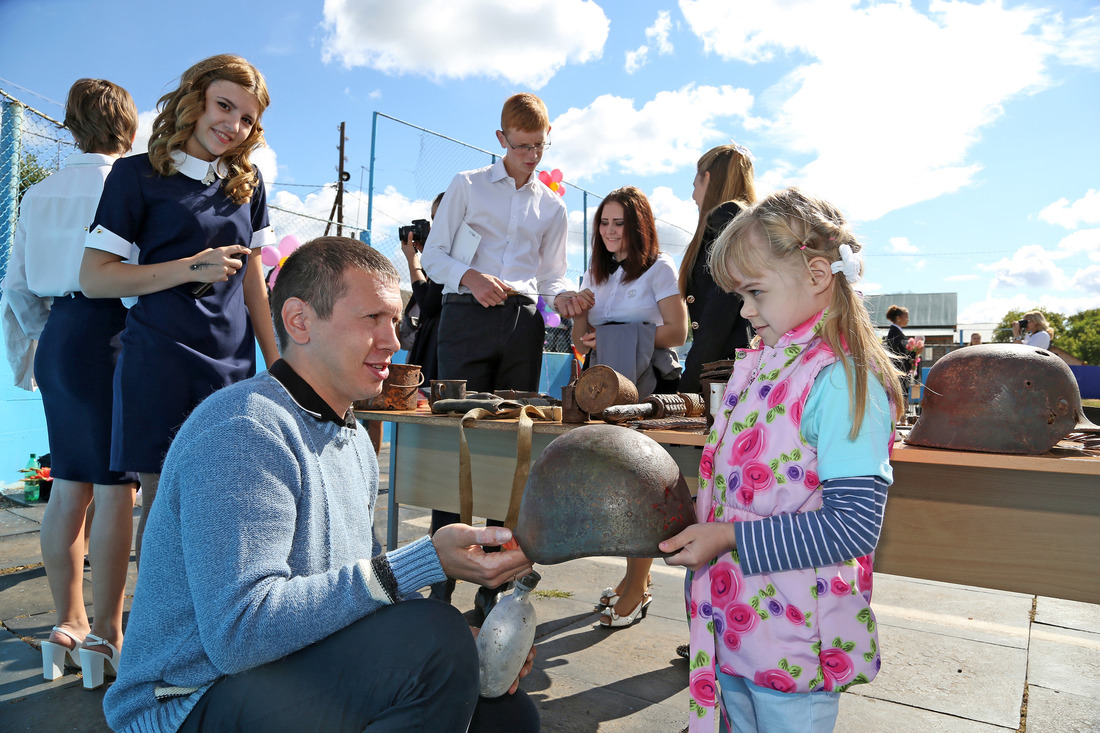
[216, 265]
[409, 248]
[699, 544]
[589, 340]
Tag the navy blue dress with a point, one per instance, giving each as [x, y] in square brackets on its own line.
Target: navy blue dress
[176, 349]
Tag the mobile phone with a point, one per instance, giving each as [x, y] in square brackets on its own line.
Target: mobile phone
[201, 289]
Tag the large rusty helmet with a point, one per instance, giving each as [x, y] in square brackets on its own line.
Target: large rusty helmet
[602, 490]
[999, 398]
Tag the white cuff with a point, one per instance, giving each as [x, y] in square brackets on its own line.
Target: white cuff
[108, 241]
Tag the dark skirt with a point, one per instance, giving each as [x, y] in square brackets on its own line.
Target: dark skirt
[74, 367]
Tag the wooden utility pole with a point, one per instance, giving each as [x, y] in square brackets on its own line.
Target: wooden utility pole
[343, 177]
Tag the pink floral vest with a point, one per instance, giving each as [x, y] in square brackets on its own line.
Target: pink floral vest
[795, 630]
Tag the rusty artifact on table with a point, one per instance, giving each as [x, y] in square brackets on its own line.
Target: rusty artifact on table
[571, 413]
[399, 390]
[999, 398]
[600, 387]
[602, 490]
[681, 404]
[446, 389]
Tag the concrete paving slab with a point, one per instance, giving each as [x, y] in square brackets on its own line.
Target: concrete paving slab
[26, 592]
[1067, 614]
[13, 522]
[20, 550]
[570, 705]
[1066, 660]
[1051, 711]
[860, 714]
[945, 674]
[978, 614]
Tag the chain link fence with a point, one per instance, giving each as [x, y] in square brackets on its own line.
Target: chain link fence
[411, 165]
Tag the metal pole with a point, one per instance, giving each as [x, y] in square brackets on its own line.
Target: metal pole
[584, 244]
[370, 184]
[342, 177]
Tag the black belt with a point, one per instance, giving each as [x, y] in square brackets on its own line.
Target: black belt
[468, 298]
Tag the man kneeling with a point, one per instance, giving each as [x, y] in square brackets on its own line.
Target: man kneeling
[264, 602]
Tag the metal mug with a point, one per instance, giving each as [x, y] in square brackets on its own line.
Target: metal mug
[447, 389]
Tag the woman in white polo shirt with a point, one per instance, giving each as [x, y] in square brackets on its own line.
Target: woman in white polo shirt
[638, 311]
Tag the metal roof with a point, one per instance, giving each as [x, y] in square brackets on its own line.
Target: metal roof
[926, 310]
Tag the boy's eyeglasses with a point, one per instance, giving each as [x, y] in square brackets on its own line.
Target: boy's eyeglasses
[526, 148]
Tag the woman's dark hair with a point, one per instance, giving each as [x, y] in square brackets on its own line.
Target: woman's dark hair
[894, 312]
[639, 236]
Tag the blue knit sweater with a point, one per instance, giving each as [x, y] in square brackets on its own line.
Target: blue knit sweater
[259, 544]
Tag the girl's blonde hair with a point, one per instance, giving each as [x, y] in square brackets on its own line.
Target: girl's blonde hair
[731, 179]
[180, 109]
[1039, 318]
[796, 228]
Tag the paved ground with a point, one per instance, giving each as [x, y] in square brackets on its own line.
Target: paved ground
[955, 659]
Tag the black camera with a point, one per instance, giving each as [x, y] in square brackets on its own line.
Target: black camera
[419, 229]
[1023, 323]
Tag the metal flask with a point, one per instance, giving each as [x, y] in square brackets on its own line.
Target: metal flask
[602, 490]
[999, 398]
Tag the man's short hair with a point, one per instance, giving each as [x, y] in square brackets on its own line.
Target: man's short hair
[524, 112]
[314, 273]
[102, 116]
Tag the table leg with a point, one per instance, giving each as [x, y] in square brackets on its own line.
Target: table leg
[394, 507]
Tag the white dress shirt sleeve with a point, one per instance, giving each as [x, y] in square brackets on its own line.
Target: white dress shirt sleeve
[553, 260]
[436, 257]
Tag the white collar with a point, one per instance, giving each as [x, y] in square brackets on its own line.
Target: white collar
[200, 170]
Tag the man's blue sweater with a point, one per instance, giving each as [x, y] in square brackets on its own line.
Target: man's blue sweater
[259, 544]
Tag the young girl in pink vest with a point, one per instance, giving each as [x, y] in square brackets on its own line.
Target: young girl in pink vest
[792, 481]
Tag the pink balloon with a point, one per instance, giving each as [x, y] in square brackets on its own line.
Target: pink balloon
[288, 244]
[555, 175]
[270, 256]
[561, 189]
[544, 177]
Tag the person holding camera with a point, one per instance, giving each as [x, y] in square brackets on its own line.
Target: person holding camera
[426, 303]
[1033, 330]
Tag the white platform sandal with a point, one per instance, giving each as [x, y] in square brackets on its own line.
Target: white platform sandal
[54, 655]
[92, 662]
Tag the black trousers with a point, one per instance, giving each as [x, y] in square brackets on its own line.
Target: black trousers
[492, 348]
[410, 667]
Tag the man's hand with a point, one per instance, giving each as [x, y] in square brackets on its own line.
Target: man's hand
[528, 664]
[571, 304]
[488, 290]
[699, 544]
[460, 553]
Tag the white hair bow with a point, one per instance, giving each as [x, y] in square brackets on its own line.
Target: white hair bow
[744, 151]
[850, 263]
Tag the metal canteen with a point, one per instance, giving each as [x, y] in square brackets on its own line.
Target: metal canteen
[999, 398]
[602, 490]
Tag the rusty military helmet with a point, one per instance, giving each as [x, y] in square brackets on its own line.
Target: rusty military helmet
[999, 398]
[602, 490]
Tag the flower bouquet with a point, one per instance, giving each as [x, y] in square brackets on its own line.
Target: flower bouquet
[915, 345]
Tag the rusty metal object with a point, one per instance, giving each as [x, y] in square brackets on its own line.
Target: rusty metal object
[601, 387]
[602, 490]
[571, 412]
[682, 404]
[399, 390]
[999, 398]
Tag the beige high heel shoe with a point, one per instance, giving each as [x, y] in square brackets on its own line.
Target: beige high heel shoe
[54, 655]
[92, 662]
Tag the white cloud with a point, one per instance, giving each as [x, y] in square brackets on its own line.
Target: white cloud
[886, 102]
[1088, 280]
[636, 59]
[676, 220]
[520, 43]
[658, 32]
[1030, 266]
[901, 245]
[1085, 210]
[992, 310]
[666, 134]
[144, 132]
[268, 162]
[960, 278]
[1083, 241]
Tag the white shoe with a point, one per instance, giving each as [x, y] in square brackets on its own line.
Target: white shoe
[54, 655]
[92, 662]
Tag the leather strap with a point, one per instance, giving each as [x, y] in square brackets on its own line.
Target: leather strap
[525, 416]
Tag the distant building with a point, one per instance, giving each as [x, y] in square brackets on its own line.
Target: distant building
[931, 315]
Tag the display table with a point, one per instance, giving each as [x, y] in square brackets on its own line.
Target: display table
[1021, 523]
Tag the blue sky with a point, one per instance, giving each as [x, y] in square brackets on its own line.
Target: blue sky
[958, 137]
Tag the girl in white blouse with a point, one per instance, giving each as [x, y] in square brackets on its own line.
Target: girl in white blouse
[631, 282]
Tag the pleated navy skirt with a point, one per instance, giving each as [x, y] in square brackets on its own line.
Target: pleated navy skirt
[74, 367]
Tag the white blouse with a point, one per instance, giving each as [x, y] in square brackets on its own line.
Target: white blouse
[635, 301]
